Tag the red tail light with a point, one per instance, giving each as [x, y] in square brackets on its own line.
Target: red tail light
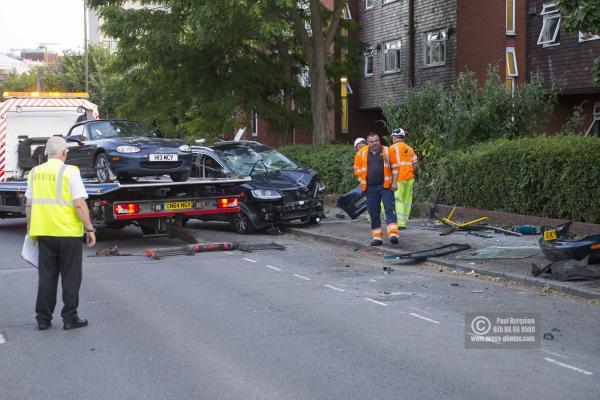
[127, 208]
[228, 202]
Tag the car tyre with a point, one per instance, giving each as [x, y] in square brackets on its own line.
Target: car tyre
[147, 230]
[310, 221]
[242, 224]
[180, 176]
[102, 167]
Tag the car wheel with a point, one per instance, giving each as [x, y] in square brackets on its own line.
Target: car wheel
[102, 166]
[242, 224]
[180, 176]
[147, 230]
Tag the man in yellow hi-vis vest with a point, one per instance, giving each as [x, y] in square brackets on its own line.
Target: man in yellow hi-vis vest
[56, 217]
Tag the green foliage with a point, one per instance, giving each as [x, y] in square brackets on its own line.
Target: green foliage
[440, 120]
[546, 176]
[574, 122]
[334, 164]
[582, 16]
[19, 82]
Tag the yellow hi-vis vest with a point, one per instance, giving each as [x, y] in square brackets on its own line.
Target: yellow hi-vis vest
[52, 209]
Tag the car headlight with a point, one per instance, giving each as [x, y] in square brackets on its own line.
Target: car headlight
[128, 149]
[321, 186]
[185, 148]
[266, 194]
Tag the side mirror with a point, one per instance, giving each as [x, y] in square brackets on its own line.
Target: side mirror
[75, 139]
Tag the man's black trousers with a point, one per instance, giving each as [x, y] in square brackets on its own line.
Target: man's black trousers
[58, 255]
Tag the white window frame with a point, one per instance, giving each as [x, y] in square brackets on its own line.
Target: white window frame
[515, 73]
[550, 11]
[369, 4]
[589, 39]
[369, 54]
[346, 14]
[427, 48]
[254, 124]
[397, 47]
[512, 31]
[595, 117]
[384, 2]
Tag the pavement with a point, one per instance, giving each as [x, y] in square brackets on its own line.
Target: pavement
[423, 234]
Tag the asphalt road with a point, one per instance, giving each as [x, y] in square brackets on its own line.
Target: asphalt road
[311, 322]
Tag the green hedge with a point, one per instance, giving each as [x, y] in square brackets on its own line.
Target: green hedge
[333, 163]
[557, 177]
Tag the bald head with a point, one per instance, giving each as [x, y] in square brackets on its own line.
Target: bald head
[56, 147]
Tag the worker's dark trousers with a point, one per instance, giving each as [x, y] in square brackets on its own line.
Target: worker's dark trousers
[58, 255]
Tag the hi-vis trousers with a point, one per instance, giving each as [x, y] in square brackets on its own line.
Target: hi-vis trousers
[404, 196]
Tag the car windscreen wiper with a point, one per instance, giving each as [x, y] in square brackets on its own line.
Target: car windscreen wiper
[254, 166]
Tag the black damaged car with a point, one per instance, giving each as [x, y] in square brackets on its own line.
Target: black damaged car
[280, 190]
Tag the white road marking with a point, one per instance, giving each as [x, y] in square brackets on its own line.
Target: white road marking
[228, 252]
[275, 268]
[335, 288]
[249, 259]
[424, 318]
[553, 353]
[416, 309]
[375, 301]
[302, 277]
[582, 371]
[2, 338]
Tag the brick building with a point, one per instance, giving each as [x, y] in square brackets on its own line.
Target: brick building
[411, 42]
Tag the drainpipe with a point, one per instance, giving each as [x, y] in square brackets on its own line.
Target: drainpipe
[411, 43]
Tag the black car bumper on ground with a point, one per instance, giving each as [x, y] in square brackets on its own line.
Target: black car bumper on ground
[268, 213]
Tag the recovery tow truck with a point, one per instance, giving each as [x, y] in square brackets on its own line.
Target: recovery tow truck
[151, 204]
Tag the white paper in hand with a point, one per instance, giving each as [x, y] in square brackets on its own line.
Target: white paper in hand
[30, 252]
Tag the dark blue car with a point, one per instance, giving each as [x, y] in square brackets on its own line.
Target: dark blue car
[108, 149]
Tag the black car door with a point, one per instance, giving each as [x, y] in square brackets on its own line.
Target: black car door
[212, 168]
[81, 148]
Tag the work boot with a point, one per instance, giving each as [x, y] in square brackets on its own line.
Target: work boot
[394, 239]
[74, 323]
[376, 242]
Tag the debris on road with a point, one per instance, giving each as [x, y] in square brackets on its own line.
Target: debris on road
[569, 270]
[424, 254]
[479, 290]
[210, 247]
[548, 336]
[112, 252]
[469, 226]
[501, 252]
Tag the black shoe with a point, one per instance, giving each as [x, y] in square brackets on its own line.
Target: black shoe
[401, 228]
[394, 239]
[43, 325]
[74, 324]
[376, 242]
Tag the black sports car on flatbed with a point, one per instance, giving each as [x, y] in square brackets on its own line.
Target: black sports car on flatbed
[105, 149]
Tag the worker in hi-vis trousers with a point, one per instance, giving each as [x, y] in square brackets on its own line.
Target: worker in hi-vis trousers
[377, 176]
[406, 162]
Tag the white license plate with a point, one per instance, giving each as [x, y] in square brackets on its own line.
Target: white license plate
[163, 157]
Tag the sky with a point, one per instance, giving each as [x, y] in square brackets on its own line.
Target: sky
[24, 24]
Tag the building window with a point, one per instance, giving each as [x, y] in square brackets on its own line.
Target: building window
[391, 57]
[369, 62]
[510, 17]
[594, 129]
[510, 86]
[550, 34]
[388, 1]
[369, 4]
[254, 123]
[435, 48]
[346, 90]
[511, 62]
[587, 36]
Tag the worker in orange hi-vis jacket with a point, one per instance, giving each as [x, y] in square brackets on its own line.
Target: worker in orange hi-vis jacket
[406, 162]
[376, 175]
[359, 144]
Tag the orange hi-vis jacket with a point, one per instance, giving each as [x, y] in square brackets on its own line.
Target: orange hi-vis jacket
[405, 158]
[360, 166]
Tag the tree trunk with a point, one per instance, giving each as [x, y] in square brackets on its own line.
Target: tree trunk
[318, 95]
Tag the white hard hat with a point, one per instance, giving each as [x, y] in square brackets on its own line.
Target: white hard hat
[358, 141]
[399, 132]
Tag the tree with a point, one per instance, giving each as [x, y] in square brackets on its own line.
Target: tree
[204, 66]
[583, 16]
